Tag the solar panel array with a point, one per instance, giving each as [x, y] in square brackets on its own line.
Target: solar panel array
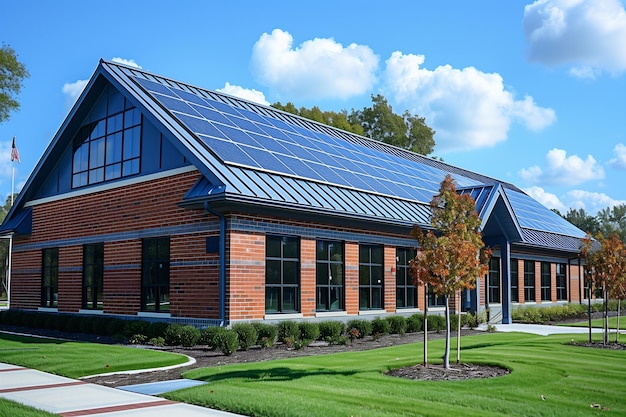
[241, 137]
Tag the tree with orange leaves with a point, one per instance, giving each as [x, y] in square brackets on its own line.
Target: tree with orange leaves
[452, 254]
[606, 261]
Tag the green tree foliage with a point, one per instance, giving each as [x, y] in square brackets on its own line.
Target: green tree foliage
[405, 131]
[379, 122]
[613, 220]
[448, 259]
[12, 74]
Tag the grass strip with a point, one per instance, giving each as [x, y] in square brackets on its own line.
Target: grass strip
[13, 409]
[599, 323]
[77, 359]
[570, 378]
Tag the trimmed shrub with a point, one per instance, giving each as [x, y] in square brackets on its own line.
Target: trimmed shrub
[226, 341]
[266, 334]
[363, 326]
[114, 327]
[207, 336]
[436, 323]
[309, 331]
[133, 327]
[288, 331]
[331, 331]
[397, 325]
[380, 326]
[415, 323]
[172, 335]
[156, 329]
[189, 335]
[246, 333]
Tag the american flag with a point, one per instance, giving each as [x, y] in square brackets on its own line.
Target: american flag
[15, 155]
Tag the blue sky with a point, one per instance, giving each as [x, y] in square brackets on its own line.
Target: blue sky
[530, 92]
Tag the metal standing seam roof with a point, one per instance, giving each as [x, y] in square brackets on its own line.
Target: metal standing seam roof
[252, 152]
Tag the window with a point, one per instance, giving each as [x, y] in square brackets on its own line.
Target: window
[493, 280]
[329, 275]
[93, 271]
[435, 301]
[514, 281]
[370, 277]
[282, 274]
[561, 282]
[546, 287]
[406, 291]
[155, 279]
[529, 281]
[108, 146]
[50, 278]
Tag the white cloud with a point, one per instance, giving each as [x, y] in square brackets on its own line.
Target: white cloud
[73, 90]
[467, 108]
[619, 161]
[129, 62]
[589, 35]
[244, 93]
[562, 169]
[318, 68]
[592, 202]
[549, 200]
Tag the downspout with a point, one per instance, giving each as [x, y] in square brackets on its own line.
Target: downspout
[222, 249]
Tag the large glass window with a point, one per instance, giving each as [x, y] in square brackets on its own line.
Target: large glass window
[50, 278]
[546, 286]
[155, 280]
[108, 146]
[282, 274]
[561, 282]
[406, 291]
[93, 275]
[493, 280]
[529, 280]
[514, 281]
[329, 275]
[371, 279]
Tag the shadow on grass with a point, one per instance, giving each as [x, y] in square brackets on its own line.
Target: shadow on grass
[273, 374]
[31, 339]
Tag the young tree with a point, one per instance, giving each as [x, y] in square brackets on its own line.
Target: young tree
[605, 261]
[452, 254]
[12, 73]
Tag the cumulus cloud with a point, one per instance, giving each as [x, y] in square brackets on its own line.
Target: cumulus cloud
[73, 90]
[619, 161]
[592, 202]
[561, 169]
[589, 35]
[318, 68]
[129, 62]
[244, 93]
[467, 108]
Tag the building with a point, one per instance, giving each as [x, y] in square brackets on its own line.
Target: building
[164, 200]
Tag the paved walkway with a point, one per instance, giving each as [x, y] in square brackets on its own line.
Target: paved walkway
[540, 329]
[71, 398]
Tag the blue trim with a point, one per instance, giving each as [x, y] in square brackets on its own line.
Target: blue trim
[222, 249]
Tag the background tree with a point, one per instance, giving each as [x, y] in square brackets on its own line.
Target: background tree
[450, 259]
[12, 74]
[379, 122]
[605, 261]
[613, 220]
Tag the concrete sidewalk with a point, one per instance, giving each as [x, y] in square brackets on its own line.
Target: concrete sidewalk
[72, 398]
[540, 329]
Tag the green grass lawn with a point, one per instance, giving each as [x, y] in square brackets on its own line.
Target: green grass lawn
[13, 409]
[75, 359]
[599, 323]
[353, 384]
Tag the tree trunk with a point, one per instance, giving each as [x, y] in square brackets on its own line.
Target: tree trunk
[605, 340]
[619, 307]
[458, 331]
[589, 310]
[425, 325]
[446, 355]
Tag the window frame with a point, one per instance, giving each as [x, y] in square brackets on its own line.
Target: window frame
[529, 281]
[329, 290]
[375, 272]
[514, 274]
[494, 275]
[561, 282]
[405, 285]
[161, 284]
[49, 278]
[546, 281]
[282, 289]
[93, 276]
